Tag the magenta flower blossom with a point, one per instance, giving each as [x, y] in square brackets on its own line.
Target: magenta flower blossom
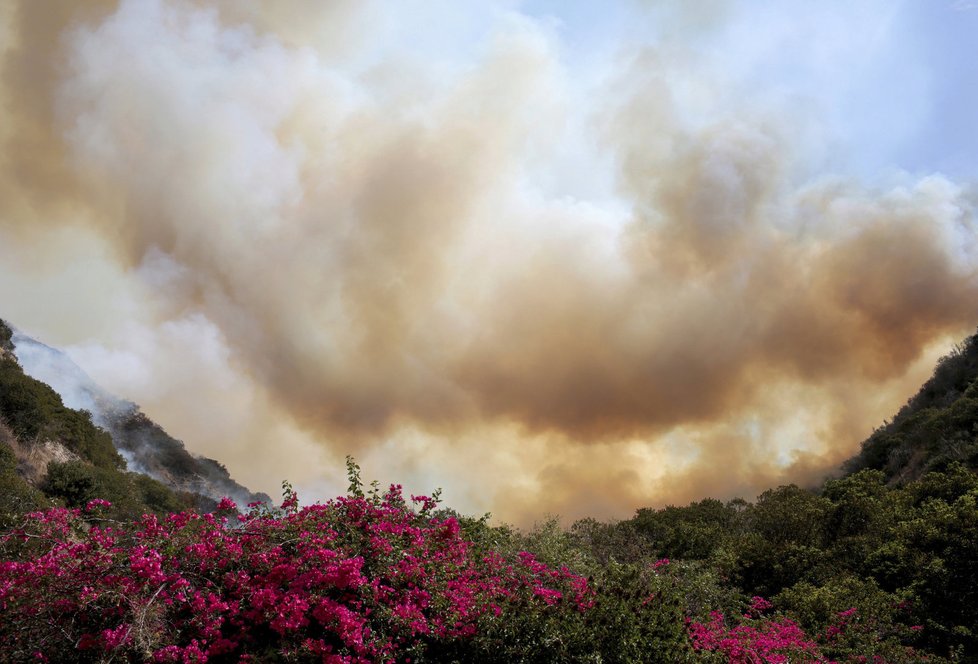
[356, 579]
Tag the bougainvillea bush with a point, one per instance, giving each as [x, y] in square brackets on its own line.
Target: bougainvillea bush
[755, 639]
[357, 579]
[370, 577]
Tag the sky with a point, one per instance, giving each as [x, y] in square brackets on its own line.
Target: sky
[565, 258]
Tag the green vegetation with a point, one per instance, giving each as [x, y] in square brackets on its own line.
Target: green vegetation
[16, 495]
[5, 337]
[32, 413]
[880, 562]
[35, 412]
[865, 568]
[937, 427]
[74, 483]
[905, 557]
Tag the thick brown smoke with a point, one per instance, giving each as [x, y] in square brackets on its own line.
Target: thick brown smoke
[362, 236]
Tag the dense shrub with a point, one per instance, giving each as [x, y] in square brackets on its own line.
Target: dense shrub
[5, 337]
[693, 532]
[936, 427]
[358, 579]
[875, 621]
[34, 411]
[16, 495]
[371, 577]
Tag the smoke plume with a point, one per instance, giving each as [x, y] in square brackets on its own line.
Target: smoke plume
[290, 233]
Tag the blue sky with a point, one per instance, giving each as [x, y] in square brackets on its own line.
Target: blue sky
[895, 81]
[946, 139]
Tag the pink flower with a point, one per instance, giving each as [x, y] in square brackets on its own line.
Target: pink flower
[759, 604]
[113, 638]
[351, 580]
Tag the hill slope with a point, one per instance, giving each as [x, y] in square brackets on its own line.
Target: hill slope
[937, 427]
[67, 439]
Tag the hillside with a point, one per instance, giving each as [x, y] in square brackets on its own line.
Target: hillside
[94, 446]
[895, 538]
[146, 446]
[937, 427]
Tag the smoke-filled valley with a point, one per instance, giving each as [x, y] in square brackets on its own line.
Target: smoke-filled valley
[565, 261]
[132, 556]
[645, 283]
